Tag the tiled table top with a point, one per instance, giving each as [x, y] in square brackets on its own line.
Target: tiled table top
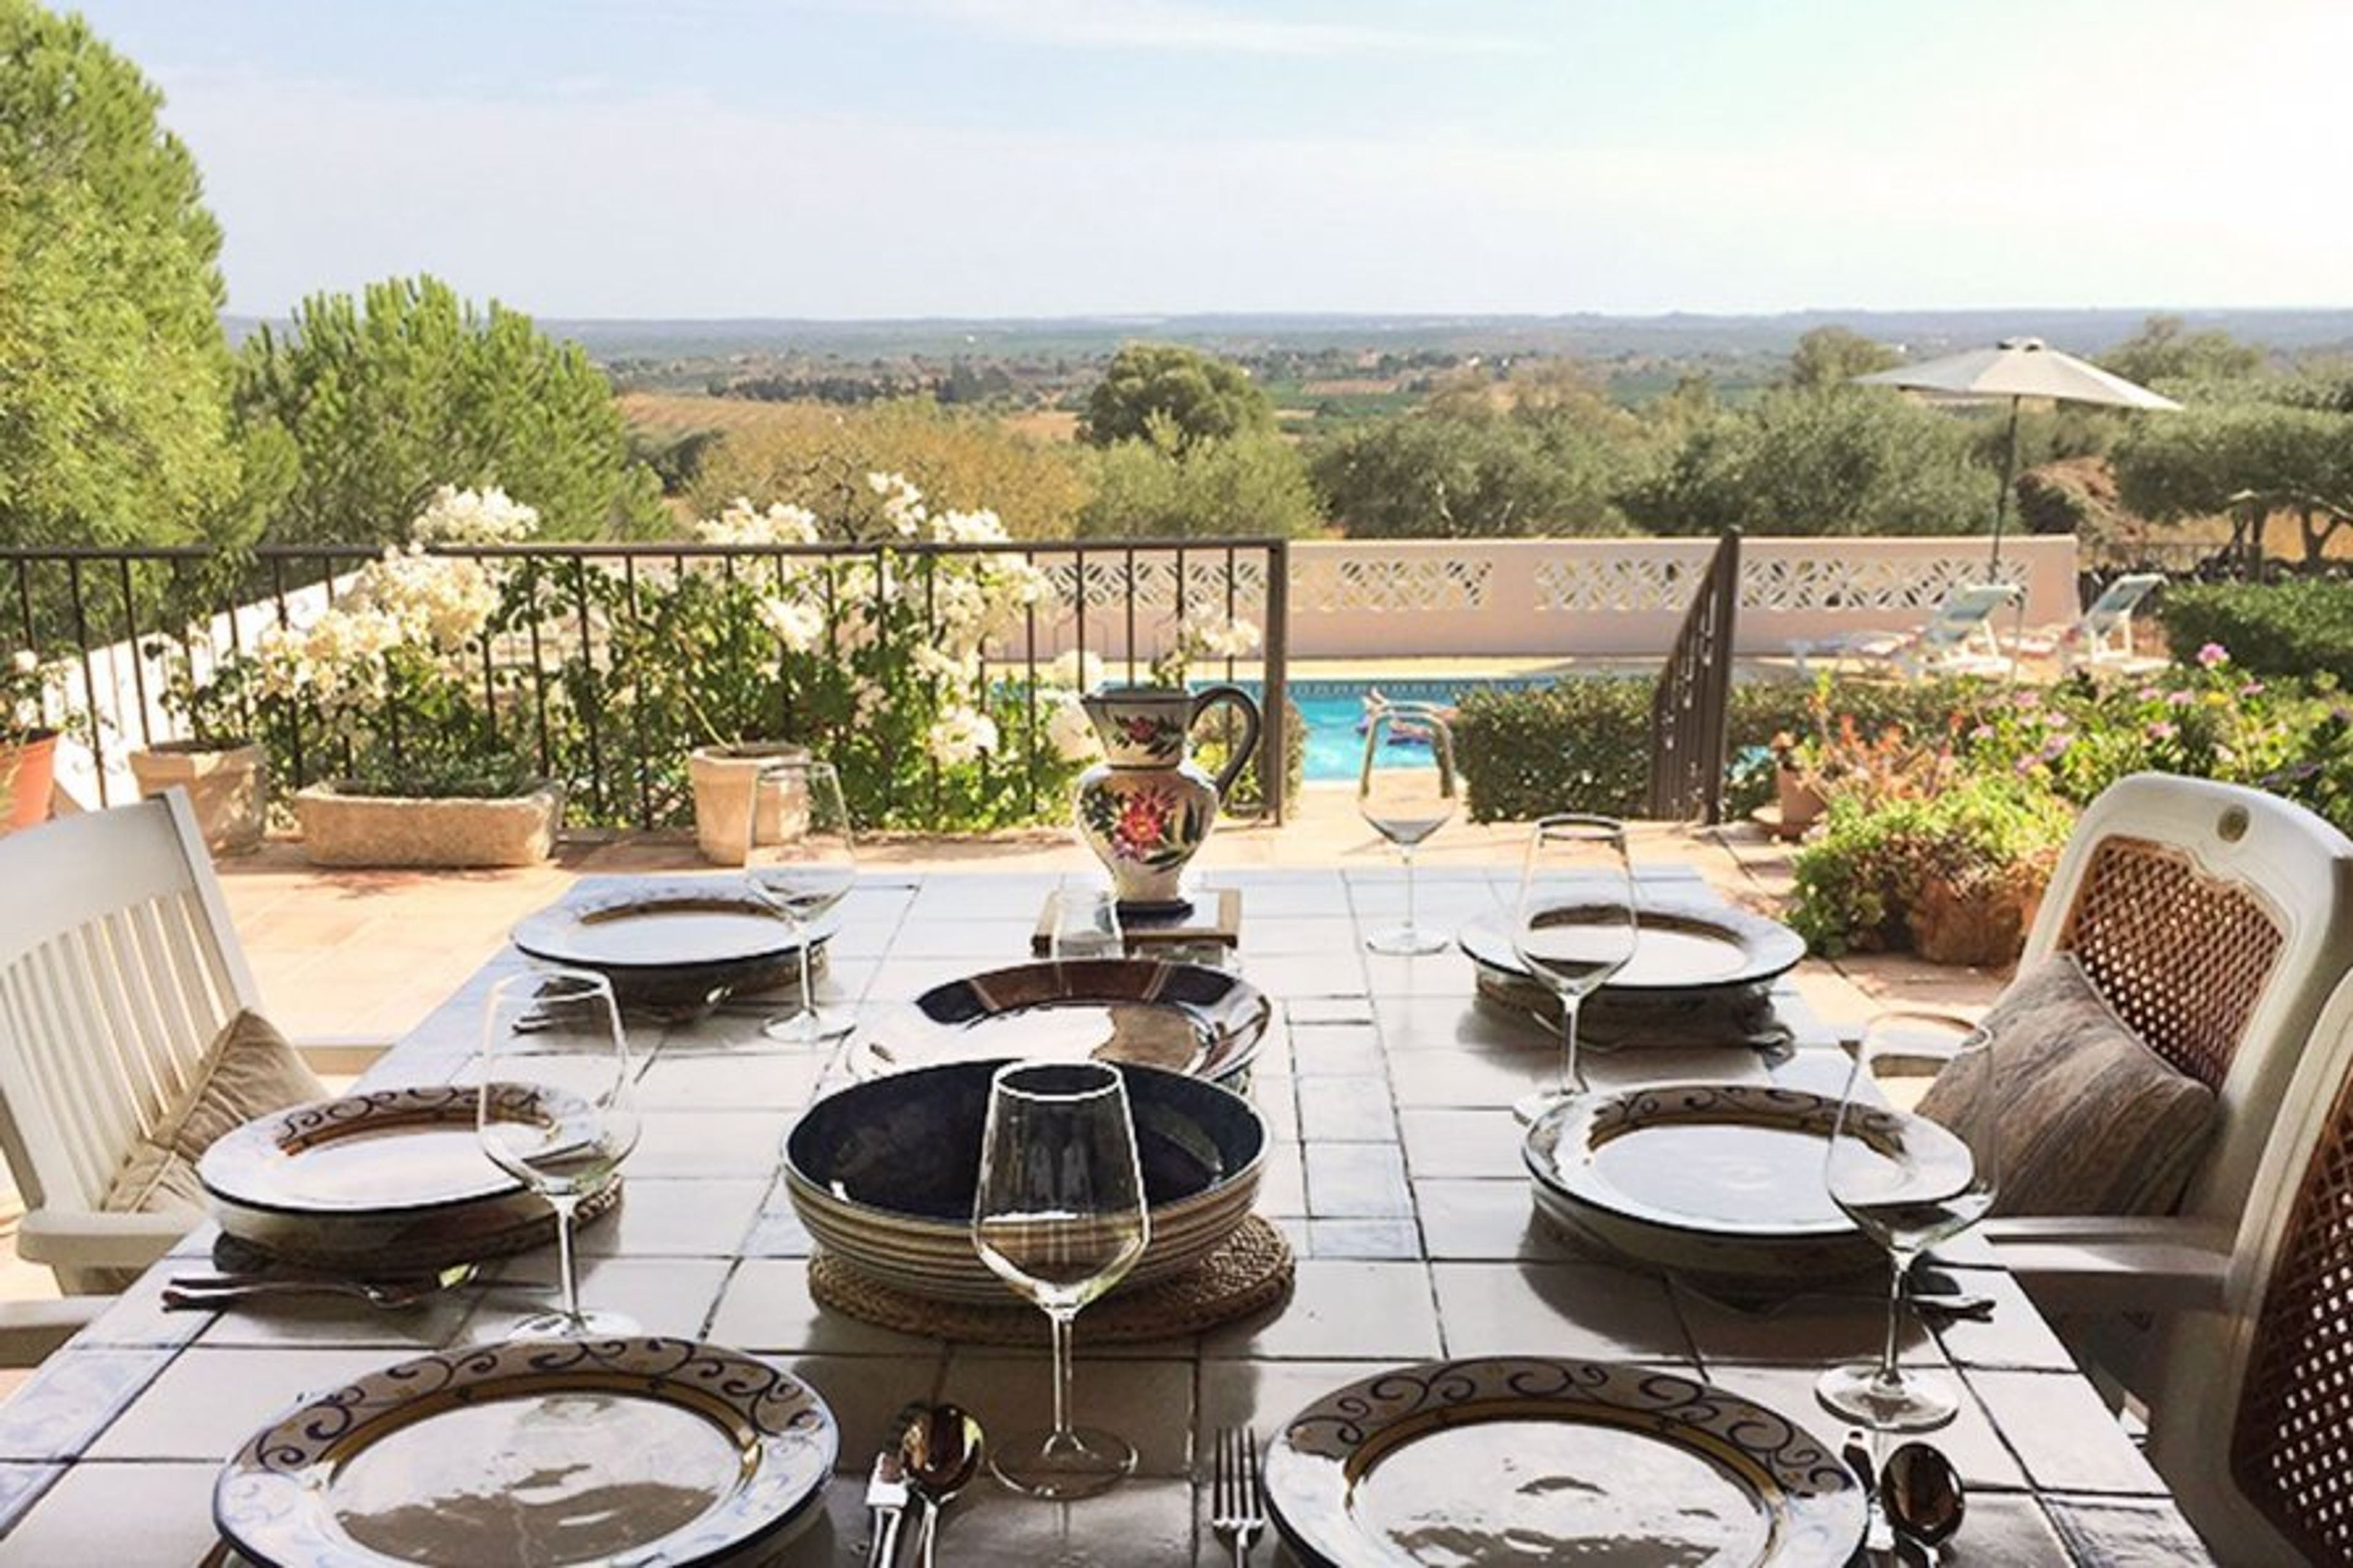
[1395, 1172]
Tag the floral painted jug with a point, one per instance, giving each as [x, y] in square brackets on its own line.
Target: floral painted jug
[1146, 807]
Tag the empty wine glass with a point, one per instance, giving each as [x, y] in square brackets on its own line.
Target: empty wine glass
[800, 860]
[558, 1111]
[1575, 927]
[1082, 921]
[1408, 790]
[1913, 1160]
[1058, 1214]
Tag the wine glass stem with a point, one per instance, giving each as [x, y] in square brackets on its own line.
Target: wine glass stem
[567, 1265]
[1572, 1078]
[1060, 1320]
[801, 952]
[1889, 1377]
[1406, 851]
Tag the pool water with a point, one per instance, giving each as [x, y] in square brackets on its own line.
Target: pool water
[1333, 710]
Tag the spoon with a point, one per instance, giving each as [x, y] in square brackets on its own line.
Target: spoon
[1878, 1537]
[940, 1448]
[1924, 1496]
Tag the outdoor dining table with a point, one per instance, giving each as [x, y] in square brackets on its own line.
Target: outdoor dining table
[1395, 1173]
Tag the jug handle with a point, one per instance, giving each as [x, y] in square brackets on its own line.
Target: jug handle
[1210, 699]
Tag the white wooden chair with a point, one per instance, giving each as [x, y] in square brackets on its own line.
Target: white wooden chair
[2216, 921]
[2101, 639]
[2251, 1403]
[118, 967]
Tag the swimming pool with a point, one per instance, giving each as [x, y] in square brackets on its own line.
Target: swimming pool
[1333, 709]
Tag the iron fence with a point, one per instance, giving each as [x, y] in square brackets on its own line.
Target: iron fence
[119, 622]
[1690, 705]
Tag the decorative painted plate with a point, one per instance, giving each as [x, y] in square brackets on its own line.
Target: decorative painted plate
[1182, 1017]
[1682, 942]
[653, 1452]
[671, 942]
[1720, 1180]
[1526, 1459]
[392, 1175]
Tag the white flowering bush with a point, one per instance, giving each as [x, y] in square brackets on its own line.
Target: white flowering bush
[25, 686]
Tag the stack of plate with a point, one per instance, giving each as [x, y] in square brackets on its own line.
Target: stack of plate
[1721, 1181]
[883, 1174]
[683, 942]
[391, 1180]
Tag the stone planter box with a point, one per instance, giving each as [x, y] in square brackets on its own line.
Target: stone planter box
[721, 776]
[229, 787]
[1983, 926]
[341, 828]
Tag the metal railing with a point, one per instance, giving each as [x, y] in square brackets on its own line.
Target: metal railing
[1689, 707]
[116, 622]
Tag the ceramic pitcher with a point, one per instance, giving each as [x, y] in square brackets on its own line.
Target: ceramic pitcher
[1146, 807]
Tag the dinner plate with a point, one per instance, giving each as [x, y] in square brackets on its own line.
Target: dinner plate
[1681, 943]
[671, 940]
[1721, 1180]
[649, 1451]
[1182, 1017]
[391, 1175]
[1527, 1459]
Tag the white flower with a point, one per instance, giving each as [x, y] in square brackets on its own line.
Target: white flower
[866, 698]
[939, 664]
[968, 528]
[960, 735]
[1077, 670]
[474, 517]
[27, 661]
[798, 626]
[741, 522]
[902, 503]
[1071, 732]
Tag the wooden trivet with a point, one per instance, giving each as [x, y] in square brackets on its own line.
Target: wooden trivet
[1251, 1271]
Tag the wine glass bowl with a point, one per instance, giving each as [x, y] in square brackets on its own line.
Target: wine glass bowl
[1406, 789]
[1913, 1160]
[801, 861]
[557, 1112]
[1575, 925]
[1058, 1214]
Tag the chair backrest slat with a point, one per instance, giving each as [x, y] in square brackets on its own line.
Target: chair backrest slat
[111, 986]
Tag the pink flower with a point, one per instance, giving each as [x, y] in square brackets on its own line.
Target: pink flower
[2251, 688]
[2148, 694]
[2161, 730]
[2181, 698]
[1982, 732]
[2212, 654]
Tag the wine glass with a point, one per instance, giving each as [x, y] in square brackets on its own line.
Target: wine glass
[1408, 790]
[799, 861]
[1058, 1214]
[1914, 1159]
[1083, 922]
[557, 1112]
[1575, 927]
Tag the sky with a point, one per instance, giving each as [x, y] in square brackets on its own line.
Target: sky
[849, 159]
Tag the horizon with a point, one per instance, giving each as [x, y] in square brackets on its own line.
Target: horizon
[835, 161]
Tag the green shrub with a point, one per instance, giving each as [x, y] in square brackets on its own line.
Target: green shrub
[1213, 743]
[2300, 627]
[1858, 886]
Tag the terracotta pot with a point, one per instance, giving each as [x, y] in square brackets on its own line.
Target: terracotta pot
[1985, 925]
[1798, 804]
[29, 771]
[721, 776]
[228, 787]
[343, 829]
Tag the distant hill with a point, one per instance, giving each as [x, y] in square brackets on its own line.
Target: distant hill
[1585, 336]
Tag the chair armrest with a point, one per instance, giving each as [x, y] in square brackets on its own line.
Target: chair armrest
[81, 1240]
[2099, 1263]
[30, 1331]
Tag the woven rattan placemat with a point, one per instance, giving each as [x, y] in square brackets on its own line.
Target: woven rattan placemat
[1252, 1270]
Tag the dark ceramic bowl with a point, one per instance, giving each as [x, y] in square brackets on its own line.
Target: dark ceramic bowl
[883, 1174]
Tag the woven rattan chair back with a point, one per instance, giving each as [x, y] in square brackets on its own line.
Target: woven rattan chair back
[2215, 919]
[2251, 1413]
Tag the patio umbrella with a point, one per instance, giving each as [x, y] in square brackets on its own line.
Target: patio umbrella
[2018, 369]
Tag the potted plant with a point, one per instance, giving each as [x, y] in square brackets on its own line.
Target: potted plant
[428, 776]
[28, 746]
[215, 759]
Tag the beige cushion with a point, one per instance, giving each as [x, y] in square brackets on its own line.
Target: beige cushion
[248, 1070]
[2092, 1121]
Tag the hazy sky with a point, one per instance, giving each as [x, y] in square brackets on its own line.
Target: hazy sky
[845, 158]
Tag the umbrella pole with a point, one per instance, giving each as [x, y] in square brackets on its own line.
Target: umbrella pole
[2001, 501]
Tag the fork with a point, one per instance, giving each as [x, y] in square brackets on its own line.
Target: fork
[886, 1502]
[209, 1292]
[1237, 1504]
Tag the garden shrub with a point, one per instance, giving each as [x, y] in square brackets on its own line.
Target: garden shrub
[2299, 627]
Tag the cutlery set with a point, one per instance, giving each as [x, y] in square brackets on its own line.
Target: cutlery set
[937, 1454]
[1915, 1501]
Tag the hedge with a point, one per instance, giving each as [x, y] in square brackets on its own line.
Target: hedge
[2302, 626]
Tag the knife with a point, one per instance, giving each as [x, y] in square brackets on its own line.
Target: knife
[886, 1499]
